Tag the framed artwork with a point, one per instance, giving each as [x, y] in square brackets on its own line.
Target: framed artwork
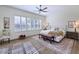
[6, 22]
[71, 24]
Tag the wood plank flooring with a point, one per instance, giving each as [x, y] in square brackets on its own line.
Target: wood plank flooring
[75, 48]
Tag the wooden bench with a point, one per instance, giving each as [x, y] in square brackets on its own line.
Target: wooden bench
[46, 37]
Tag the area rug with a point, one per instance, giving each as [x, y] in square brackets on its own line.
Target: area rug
[29, 48]
[38, 46]
[63, 47]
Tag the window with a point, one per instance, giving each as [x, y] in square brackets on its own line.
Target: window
[20, 23]
[35, 24]
[40, 24]
[17, 23]
[28, 26]
[23, 23]
[32, 24]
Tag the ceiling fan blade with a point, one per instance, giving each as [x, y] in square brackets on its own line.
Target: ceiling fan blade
[44, 11]
[37, 8]
[44, 8]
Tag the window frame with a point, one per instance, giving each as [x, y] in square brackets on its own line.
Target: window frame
[29, 24]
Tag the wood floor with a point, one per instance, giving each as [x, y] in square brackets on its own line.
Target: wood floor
[75, 48]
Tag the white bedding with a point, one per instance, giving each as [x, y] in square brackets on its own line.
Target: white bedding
[57, 38]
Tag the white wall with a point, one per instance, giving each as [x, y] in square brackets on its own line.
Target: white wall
[6, 11]
[58, 15]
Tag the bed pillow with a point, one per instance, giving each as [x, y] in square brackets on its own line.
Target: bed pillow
[44, 31]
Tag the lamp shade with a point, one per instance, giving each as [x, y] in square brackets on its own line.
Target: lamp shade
[77, 24]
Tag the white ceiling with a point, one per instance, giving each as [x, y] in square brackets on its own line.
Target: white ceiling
[30, 8]
[67, 10]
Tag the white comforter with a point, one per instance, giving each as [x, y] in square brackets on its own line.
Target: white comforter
[57, 38]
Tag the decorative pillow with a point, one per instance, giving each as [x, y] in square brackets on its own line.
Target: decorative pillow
[58, 38]
[60, 33]
[51, 33]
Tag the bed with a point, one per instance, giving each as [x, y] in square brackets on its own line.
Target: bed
[51, 35]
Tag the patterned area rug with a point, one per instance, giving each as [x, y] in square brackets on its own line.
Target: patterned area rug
[38, 46]
[19, 48]
[63, 47]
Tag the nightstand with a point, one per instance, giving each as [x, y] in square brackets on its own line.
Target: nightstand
[72, 35]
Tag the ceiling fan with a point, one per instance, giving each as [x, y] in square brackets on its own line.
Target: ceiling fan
[41, 9]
